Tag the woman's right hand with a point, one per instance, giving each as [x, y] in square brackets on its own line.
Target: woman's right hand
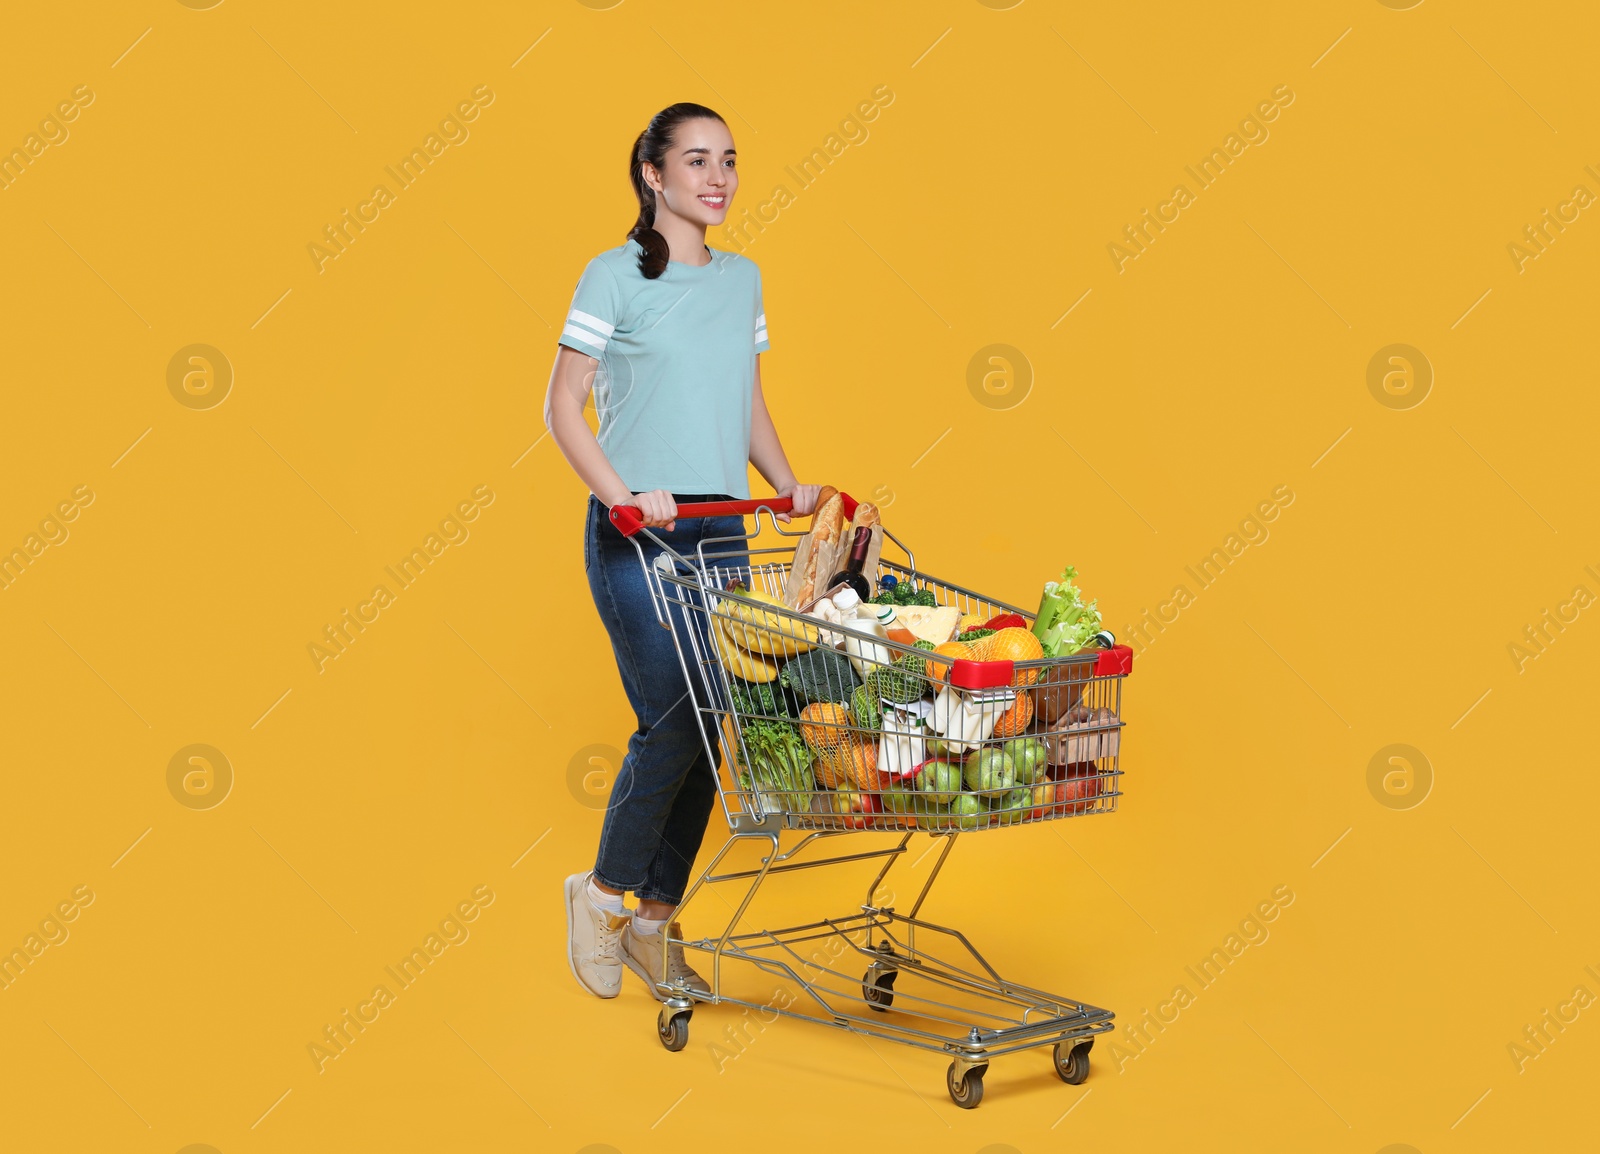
[657, 508]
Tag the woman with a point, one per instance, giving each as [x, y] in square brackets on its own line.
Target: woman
[668, 332]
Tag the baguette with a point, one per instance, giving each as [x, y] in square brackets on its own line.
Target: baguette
[802, 552]
[826, 526]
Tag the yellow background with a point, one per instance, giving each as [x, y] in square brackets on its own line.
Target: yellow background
[1170, 400]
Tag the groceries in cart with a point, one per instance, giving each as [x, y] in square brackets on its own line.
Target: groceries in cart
[862, 694]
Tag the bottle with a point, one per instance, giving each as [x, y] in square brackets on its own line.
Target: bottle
[892, 628]
[861, 639]
[846, 602]
[857, 561]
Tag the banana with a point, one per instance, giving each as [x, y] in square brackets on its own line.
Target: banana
[738, 661]
[762, 631]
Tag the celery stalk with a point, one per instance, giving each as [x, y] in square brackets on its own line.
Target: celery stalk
[1064, 622]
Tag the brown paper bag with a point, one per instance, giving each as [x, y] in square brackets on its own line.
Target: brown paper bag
[874, 550]
[830, 560]
[797, 570]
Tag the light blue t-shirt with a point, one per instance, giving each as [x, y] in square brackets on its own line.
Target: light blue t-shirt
[677, 367]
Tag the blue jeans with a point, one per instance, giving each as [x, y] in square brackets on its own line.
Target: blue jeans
[665, 790]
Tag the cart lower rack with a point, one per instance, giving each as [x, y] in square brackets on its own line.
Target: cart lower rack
[837, 746]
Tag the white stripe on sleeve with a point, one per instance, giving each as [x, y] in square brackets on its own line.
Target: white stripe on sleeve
[587, 338]
[591, 321]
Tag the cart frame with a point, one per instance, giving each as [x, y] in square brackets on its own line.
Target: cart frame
[954, 1002]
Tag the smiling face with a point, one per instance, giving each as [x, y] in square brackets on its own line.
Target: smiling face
[699, 176]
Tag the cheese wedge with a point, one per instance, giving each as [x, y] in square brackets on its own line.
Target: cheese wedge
[929, 623]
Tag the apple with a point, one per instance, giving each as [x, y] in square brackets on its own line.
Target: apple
[900, 807]
[855, 809]
[989, 770]
[1076, 792]
[938, 780]
[967, 811]
[1045, 795]
[928, 814]
[1012, 806]
[1030, 757]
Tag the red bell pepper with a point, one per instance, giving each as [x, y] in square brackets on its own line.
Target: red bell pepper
[1006, 621]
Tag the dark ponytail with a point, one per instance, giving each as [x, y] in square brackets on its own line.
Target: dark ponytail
[653, 145]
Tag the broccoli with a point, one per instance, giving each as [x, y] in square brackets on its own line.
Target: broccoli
[751, 699]
[819, 674]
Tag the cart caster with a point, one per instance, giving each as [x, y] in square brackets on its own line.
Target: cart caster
[672, 1027]
[878, 988]
[966, 1088]
[1073, 1067]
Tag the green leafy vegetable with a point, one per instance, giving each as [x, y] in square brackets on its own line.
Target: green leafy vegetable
[977, 634]
[820, 674]
[775, 758]
[1064, 623]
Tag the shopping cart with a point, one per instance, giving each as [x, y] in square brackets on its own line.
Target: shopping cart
[828, 758]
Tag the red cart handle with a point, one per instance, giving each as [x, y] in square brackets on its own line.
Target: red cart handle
[629, 520]
[968, 674]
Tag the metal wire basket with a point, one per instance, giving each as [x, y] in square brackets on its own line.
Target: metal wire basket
[861, 742]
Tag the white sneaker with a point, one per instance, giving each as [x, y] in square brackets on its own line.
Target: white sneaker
[593, 936]
[641, 953]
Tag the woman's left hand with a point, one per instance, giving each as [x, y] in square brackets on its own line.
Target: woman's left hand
[803, 499]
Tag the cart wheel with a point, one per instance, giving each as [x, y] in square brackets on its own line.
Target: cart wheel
[672, 1027]
[878, 988]
[966, 1091]
[1073, 1067]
